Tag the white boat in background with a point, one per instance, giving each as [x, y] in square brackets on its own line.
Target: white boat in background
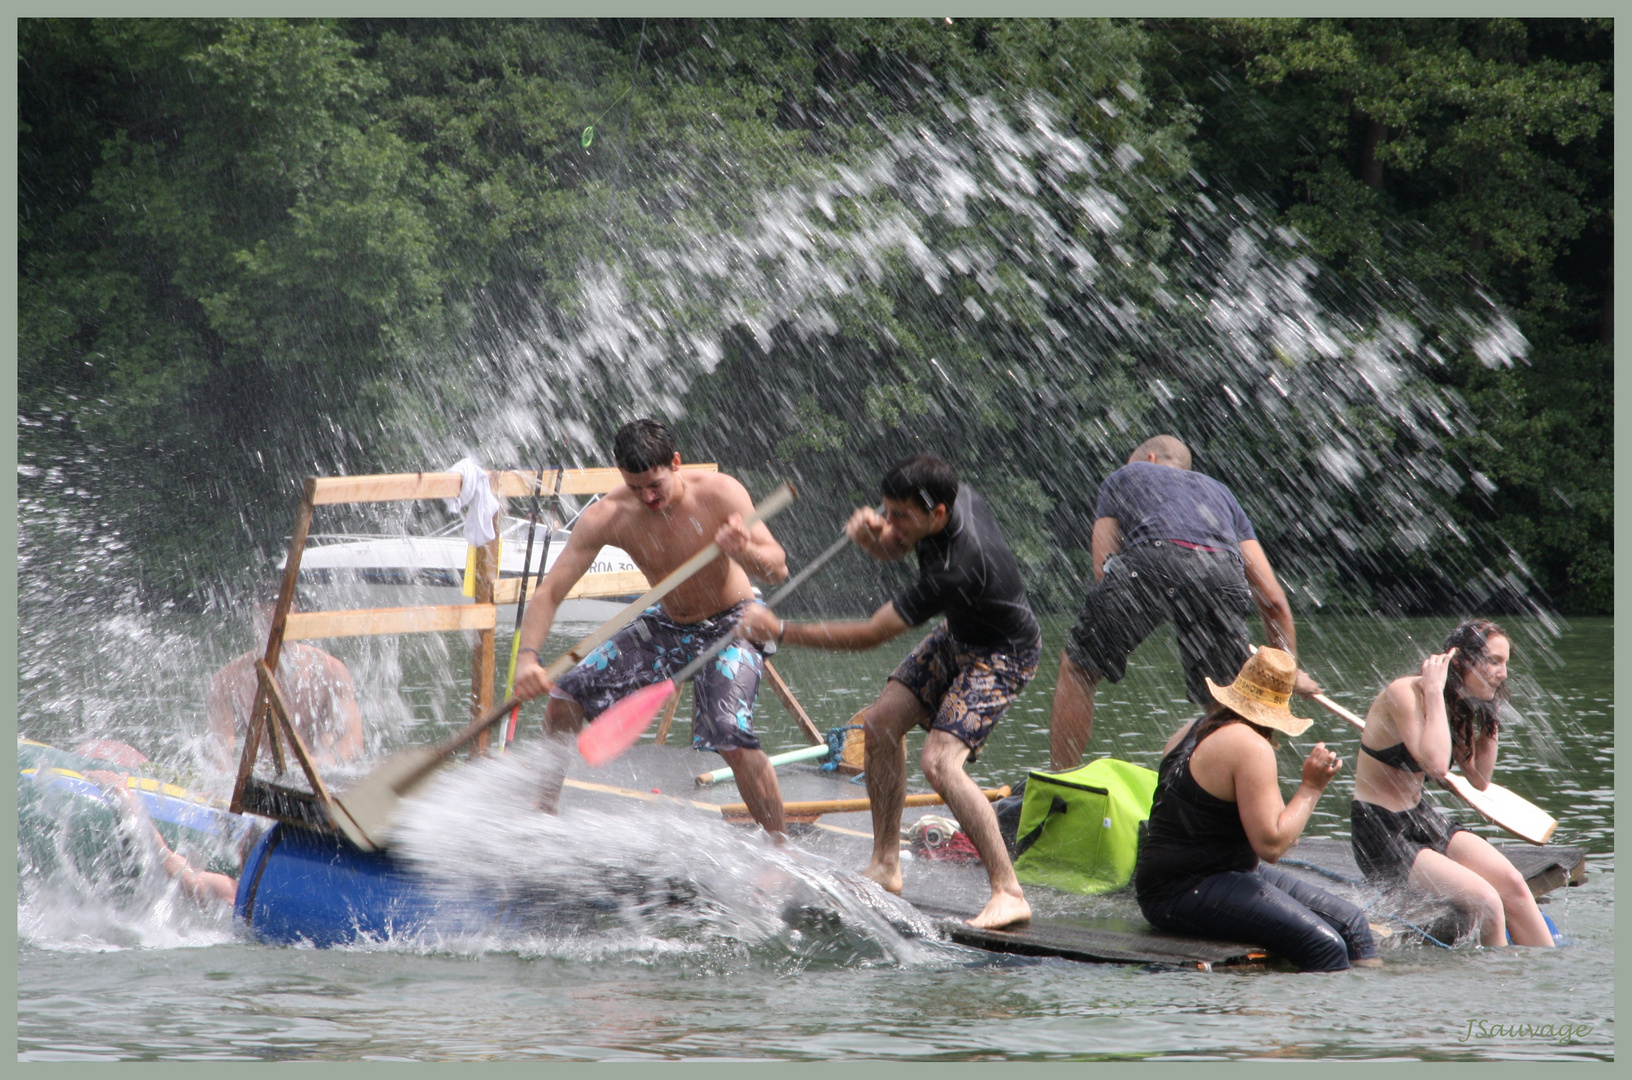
[341, 571]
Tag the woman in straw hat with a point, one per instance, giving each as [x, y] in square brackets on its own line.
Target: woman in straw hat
[1218, 819]
[1417, 727]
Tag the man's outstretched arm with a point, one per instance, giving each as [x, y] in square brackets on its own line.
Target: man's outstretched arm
[1273, 607]
[760, 623]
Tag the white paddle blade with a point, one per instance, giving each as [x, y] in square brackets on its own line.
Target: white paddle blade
[372, 805]
[1503, 808]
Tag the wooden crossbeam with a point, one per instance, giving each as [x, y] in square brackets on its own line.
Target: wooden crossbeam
[508, 483]
[305, 625]
[611, 583]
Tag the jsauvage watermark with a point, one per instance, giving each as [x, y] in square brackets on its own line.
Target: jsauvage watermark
[1563, 1033]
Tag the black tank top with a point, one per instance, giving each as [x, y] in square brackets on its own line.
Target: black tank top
[1191, 834]
[1396, 756]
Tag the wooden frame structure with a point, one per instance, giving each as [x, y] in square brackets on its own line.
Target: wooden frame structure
[270, 713]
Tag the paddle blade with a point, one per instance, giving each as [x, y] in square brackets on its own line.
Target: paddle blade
[1501, 807]
[371, 806]
[617, 729]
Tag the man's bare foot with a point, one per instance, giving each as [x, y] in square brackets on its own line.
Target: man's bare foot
[1367, 962]
[888, 877]
[1003, 909]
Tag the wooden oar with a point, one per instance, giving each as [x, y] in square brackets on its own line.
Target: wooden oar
[622, 723]
[371, 804]
[1496, 804]
[810, 811]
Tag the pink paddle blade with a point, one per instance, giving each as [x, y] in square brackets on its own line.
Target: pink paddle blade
[618, 728]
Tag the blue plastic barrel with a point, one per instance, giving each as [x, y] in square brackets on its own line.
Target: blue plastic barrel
[300, 885]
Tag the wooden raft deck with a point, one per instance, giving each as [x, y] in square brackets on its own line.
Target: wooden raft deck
[1105, 929]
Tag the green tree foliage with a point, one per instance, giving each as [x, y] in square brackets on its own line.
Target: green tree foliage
[1458, 154]
[250, 250]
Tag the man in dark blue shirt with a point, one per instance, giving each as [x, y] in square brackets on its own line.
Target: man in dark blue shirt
[957, 682]
[1168, 543]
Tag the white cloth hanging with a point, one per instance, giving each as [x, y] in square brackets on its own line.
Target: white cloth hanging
[476, 499]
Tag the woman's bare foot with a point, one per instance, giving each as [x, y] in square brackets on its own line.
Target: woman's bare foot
[888, 877]
[1003, 909]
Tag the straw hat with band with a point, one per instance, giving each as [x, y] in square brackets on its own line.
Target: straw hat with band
[1261, 691]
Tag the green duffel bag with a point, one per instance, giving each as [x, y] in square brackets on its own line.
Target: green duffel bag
[1079, 830]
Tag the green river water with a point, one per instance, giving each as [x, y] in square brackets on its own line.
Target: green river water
[104, 977]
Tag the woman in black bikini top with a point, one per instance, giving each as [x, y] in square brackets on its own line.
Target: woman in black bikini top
[1415, 730]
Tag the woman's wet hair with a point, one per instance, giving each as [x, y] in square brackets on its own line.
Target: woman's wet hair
[1471, 640]
[641, 445]
[922, 480]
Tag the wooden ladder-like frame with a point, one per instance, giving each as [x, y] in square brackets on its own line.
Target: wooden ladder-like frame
[270, 713]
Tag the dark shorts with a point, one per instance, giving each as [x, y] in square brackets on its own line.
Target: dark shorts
[965, 689]
[1204, 594]
[1290, 917]
[653, 648]
[1386, 842]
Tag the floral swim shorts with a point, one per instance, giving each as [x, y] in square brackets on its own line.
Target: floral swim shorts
[655, 647]
[965, 689]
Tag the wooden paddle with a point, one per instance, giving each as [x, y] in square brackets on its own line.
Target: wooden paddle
[371, 804]
[621, 724]
[1496, 804]
[810, 811]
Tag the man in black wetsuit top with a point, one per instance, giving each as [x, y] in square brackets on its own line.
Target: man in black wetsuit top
[1168, 543]
[957, 682]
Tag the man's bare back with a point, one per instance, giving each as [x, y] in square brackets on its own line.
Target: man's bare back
[318, 689]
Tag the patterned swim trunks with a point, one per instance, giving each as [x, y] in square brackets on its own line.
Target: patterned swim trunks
[655, 647]
[965, 689]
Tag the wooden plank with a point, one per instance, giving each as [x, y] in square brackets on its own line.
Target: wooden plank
[286, 804]
[612, 583]
[281, 709]
[668, 717]
[385, 487]
[790, 703]
[305, 625]
[817, 807]
[507, 483]
[602, 481]
[482, 658]
[259, 712]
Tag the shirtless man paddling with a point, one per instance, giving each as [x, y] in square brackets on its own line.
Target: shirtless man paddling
[662, 517]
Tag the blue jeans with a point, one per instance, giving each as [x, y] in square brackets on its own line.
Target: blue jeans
[1268, 906]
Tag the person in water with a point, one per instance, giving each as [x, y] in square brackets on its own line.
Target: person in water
[663, 516]
[959, 680]
[317, 687]
[1168, 544]
[1218, 820]
[1417, 728]
[206, 887]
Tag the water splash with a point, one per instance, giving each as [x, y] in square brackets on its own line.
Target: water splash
[89, 880]
[662, 876]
